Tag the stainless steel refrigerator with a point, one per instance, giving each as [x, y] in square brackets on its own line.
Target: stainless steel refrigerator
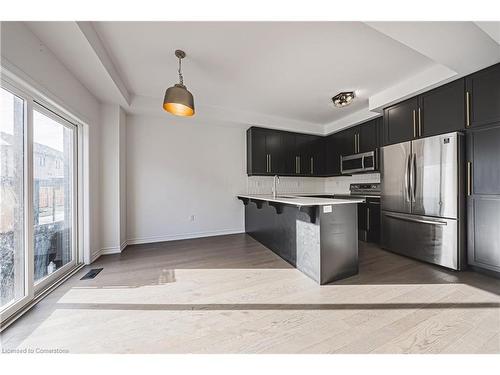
[422, 199]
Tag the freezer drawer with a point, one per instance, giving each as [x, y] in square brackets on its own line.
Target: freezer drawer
[430, 239]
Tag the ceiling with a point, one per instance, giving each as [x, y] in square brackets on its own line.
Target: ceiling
[285, 72]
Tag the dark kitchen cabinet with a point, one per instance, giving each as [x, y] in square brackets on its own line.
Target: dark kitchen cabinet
[373, 220]
[368, 135]
[483, 97]
[318, 166]
[369, 220]
[400, 122]
[483, 198]
[264, 151]
[442, 110]
[332, 155]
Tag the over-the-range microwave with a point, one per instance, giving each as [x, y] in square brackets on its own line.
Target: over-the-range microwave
[358, 163]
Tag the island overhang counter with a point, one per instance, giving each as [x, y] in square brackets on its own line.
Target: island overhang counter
[318, 236]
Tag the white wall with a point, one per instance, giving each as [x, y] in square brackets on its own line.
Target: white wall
[24, 54]
[123, 177]
[179, 167]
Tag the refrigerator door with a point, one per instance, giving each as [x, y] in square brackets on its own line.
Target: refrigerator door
[426, 238]
[434, 176]
[394, 182]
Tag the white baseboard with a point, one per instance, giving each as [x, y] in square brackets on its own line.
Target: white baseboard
[183, 236]
[152, 239]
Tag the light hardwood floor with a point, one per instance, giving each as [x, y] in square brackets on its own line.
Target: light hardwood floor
[229, 294]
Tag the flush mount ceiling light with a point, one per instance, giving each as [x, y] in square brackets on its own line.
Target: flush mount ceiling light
[178, 100]
[343, 99]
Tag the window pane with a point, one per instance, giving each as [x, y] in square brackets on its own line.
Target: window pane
[52, 194]
[12, 253]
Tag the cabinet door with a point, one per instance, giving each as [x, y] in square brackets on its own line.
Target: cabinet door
[274, 150]
[318, 156]
[373, 222]
[256, 151]
[332, 155]
[442, 110]
[400, 122]
[484, 96]
[302, 147]
[288, 153]
[347, 141]
[483, 203]
[369, 135]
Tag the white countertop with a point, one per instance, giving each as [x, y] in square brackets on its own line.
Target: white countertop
[297, 200]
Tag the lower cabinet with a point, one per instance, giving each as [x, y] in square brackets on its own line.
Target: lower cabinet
[369, 221]
[483, 198]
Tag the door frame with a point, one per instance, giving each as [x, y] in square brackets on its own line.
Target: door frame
[31, 290]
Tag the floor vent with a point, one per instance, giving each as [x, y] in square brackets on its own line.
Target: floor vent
[92, 273]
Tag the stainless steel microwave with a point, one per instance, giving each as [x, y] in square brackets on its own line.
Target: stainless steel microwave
[358, 163]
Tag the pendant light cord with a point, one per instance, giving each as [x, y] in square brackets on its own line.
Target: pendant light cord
[181, 79]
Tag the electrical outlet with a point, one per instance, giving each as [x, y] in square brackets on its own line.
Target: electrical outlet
[191, 218]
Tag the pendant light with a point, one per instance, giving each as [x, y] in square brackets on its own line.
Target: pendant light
[178, 100]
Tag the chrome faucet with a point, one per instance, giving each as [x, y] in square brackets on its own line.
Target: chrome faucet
[276, 180]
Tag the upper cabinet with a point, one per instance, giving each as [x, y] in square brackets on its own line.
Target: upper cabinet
[369, 135]
[264, 151]
[400, 122]
[438, 111]
[271, 152]
[358, 139]
[442, 110]
[483, 97]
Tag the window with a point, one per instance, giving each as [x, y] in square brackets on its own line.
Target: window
[12, 247]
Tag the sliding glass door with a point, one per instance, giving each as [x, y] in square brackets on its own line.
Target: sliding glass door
[54, 142]
[38, 198]
[13, 252]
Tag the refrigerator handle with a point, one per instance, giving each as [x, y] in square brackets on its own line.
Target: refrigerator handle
[407, 176]
[414, 182]
[411, 178]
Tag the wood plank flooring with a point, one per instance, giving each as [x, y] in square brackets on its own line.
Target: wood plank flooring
[230, 294]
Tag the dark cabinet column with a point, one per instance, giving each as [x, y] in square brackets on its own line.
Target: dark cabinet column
[483, 200]
[483, 91]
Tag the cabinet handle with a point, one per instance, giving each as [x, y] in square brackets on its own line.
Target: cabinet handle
[268, 168]
[419, 123]
[414, 125]
[355, 144]
[467, 109]
[270, 165]
[298, 159]
[469, 178]
[368, 218]
[312, 165]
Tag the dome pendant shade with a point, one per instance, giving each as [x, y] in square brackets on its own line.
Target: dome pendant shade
[179, 101]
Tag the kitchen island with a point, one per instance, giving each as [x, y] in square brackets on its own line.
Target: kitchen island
[318, 236]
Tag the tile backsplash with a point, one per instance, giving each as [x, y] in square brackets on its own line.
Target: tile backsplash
[338, 185]
[264, 185]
